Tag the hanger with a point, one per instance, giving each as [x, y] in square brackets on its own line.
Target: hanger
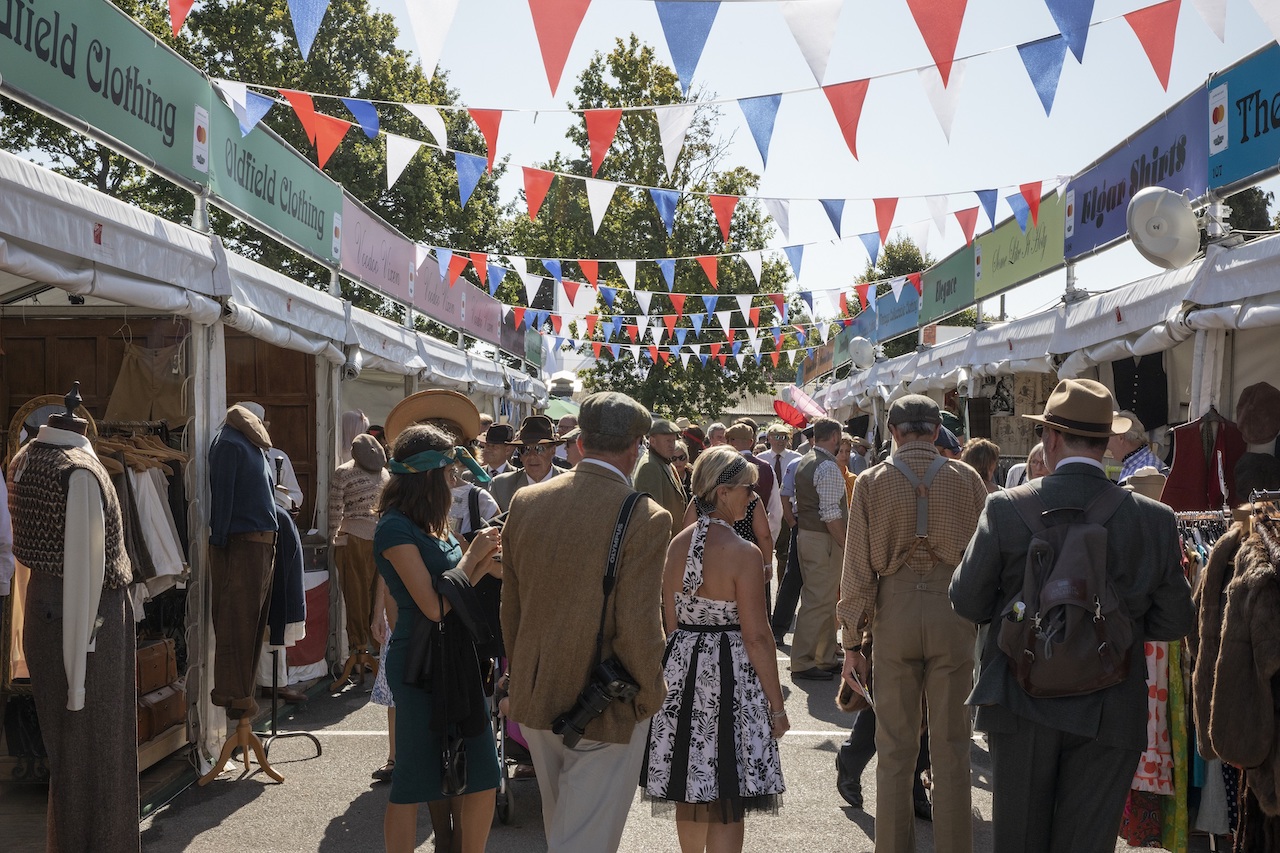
[128, 332]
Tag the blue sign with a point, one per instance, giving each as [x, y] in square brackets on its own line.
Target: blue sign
[1243, 104]
[898, 316]
[1171, 152]
[864, 325]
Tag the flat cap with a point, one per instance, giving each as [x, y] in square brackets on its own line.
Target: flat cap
[914, 409]
[662, 426]
[611, 413]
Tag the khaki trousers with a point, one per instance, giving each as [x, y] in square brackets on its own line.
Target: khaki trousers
[821, 560]
[357, 574]
[240, 575]
[922, 650]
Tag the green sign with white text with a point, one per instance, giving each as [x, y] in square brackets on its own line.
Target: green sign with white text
[947, 287]
[1008, 256]
[90, 61]
[533, 347]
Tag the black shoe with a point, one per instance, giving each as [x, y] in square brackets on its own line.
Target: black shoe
[813, 674]
[923, 808]
[383, 773]
[850, 790]
[779, 641]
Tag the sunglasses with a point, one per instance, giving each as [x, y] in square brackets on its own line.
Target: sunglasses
[535, 449]
[679, 458]
[1039, 430]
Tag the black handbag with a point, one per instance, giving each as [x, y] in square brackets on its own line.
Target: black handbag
[421, 654]
[453, 765]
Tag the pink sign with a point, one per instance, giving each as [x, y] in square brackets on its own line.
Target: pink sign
[432, 294]
[374, 254]
[484, 316]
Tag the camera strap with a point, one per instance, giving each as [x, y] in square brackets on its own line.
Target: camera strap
[611, 567]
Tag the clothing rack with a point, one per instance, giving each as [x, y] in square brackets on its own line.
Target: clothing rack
[132, 427]
[1203, 515]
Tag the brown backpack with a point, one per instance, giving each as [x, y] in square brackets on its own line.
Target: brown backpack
[1067, 632]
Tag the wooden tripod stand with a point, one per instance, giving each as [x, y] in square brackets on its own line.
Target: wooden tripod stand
[361, 659]
[245, 740]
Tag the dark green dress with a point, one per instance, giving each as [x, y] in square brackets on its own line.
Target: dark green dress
[417, 773]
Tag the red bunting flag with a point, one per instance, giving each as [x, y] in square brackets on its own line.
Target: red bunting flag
[885, 208]
[779, 302]
[844, 303]
[178, 11]
[669, 320]
[968, 219]
[556, 22]
[939, 22]
[723, 205]
[715, 350]
[653, 353]
[591, 269]
[480, 261]
[708, 264]
[329, 133]
[536, 184]
[556, 322]
[304, 108]
[773, 356]
[917, 281]
[457, 264]
[861, 290]
[570, 288]
[728, 334]
[664, 355]
[755, 316]
[591, 324]
[631, 330]
[602, 126]
[517, 312]
[846, 103]
[722, 357]
[677, 301]
[595, 348]
[1031, 193]
[1156, 27]
[488, 122]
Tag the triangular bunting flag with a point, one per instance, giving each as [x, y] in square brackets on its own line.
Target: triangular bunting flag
[591, 269]
[632, 331]
[760, 114]
[617, 326]
[795, 254]
[806, 296]
[776, 331]
[608, 294]
[669, 320]
[937, 205]
[596, 346]
[1214, 13]
[488, 121]
[178, 11]
[1072, 18]
[517, 315]
[709, 266]
[329, 133]
[653, 354]
[741, 358]
[432, 121]
[744, 303]
[677, 302]
[599, 194]
[709, 300]
[444, 257]
[919, 234]
[723, 206]
[871, 298]
[686, 25]
[665, 201]
[531, 281]
[885, 208]
[306, 15]
[470, 167]
[480, 262]
[754, 317]
[724, 318]
[256, 108]
[571, 289]
[644, 299]
[556, 22]
[457, 264]
[773, 356]
[1021, 211]
[1031, 193]
[780, 302]
[365, 114]
[861, 290]
[684, 359]
[917, 281]
[1043, 60]
[780, 210]
[400, 150]
[715, 350]
[430, 21]
[697, 320]
[553, 266]
[944, 98]
[591, 320]
[844, 304]
[304, 108]
[496, 275]
[755, 261]
[556, 322]
[871, 240]
[536, 184]
[628, 271]
[667, 266]
[846, 101]
[616, 349]
[988, 198]
[1156, 28]
[673, 125]
[939, 22]
[602, 126]
[681, 333]
[896, 286]
[813, 26]
[835, 211]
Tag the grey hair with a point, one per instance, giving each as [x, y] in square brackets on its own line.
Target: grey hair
[1137, 432]
[916, 427]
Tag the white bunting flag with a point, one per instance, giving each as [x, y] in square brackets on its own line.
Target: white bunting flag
[813, 24]
[635, 352]
[896, 286]
[432, 121]
[655, 328]
[919, 234]
[238, 93]
[400, 151]
[742, 358]
[744, 305]
[791, 354]
[1269, 12]
[780, 210]
[599, 194]
[684, 359]
[1214, 13]
[824, 330]
[429, 21]
[673, 124]
[644, 297]
[723, 317]
[938, 210]
[628, 270]
[946, 98]
[532, 281]
[755, 260]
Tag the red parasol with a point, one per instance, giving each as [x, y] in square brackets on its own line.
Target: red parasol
[790, 414]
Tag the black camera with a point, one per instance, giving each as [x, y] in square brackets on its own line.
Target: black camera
[609, 681]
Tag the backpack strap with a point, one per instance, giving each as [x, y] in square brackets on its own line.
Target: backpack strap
[473, 506]
[1027, 501]
[921, 486]
[1105, 505]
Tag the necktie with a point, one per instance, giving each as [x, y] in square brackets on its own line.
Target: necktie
[777, 471]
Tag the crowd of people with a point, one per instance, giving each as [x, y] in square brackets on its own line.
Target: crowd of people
[603, 583]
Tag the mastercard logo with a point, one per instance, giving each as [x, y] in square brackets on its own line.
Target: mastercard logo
[1071, 210]
[202, 134]
[1219, 113]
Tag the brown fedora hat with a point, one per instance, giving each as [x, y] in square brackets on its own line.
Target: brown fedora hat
[1082, 407]
[435, 404]
[536, 429]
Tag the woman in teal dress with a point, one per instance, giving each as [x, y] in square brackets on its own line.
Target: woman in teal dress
[413, 546]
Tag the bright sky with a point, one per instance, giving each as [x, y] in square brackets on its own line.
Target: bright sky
[1000, 138]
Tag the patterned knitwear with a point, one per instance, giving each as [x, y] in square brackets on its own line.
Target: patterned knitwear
[39, 477]
[353, 492]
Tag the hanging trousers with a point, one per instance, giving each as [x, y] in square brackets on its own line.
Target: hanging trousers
[241, 574]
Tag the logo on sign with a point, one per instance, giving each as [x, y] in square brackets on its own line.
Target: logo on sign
[1218, 136]
[337, 236]
[200, 141]
[1069, 218]
[977, 262]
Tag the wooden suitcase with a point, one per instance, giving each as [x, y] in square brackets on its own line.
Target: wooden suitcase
[157, 665]
[160, 709]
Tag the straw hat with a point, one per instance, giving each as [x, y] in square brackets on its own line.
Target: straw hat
[435, 404]
[1082, 407]
[1147, 481]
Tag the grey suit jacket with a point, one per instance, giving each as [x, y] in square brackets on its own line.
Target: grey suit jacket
[1145, 564]
[503, 486]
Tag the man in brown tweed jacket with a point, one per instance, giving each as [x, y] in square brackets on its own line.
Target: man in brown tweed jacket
[555, 547]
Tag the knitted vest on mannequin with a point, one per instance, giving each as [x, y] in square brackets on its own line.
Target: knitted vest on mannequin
[39, 481]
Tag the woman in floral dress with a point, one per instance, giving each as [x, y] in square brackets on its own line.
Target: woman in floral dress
[713, 748]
